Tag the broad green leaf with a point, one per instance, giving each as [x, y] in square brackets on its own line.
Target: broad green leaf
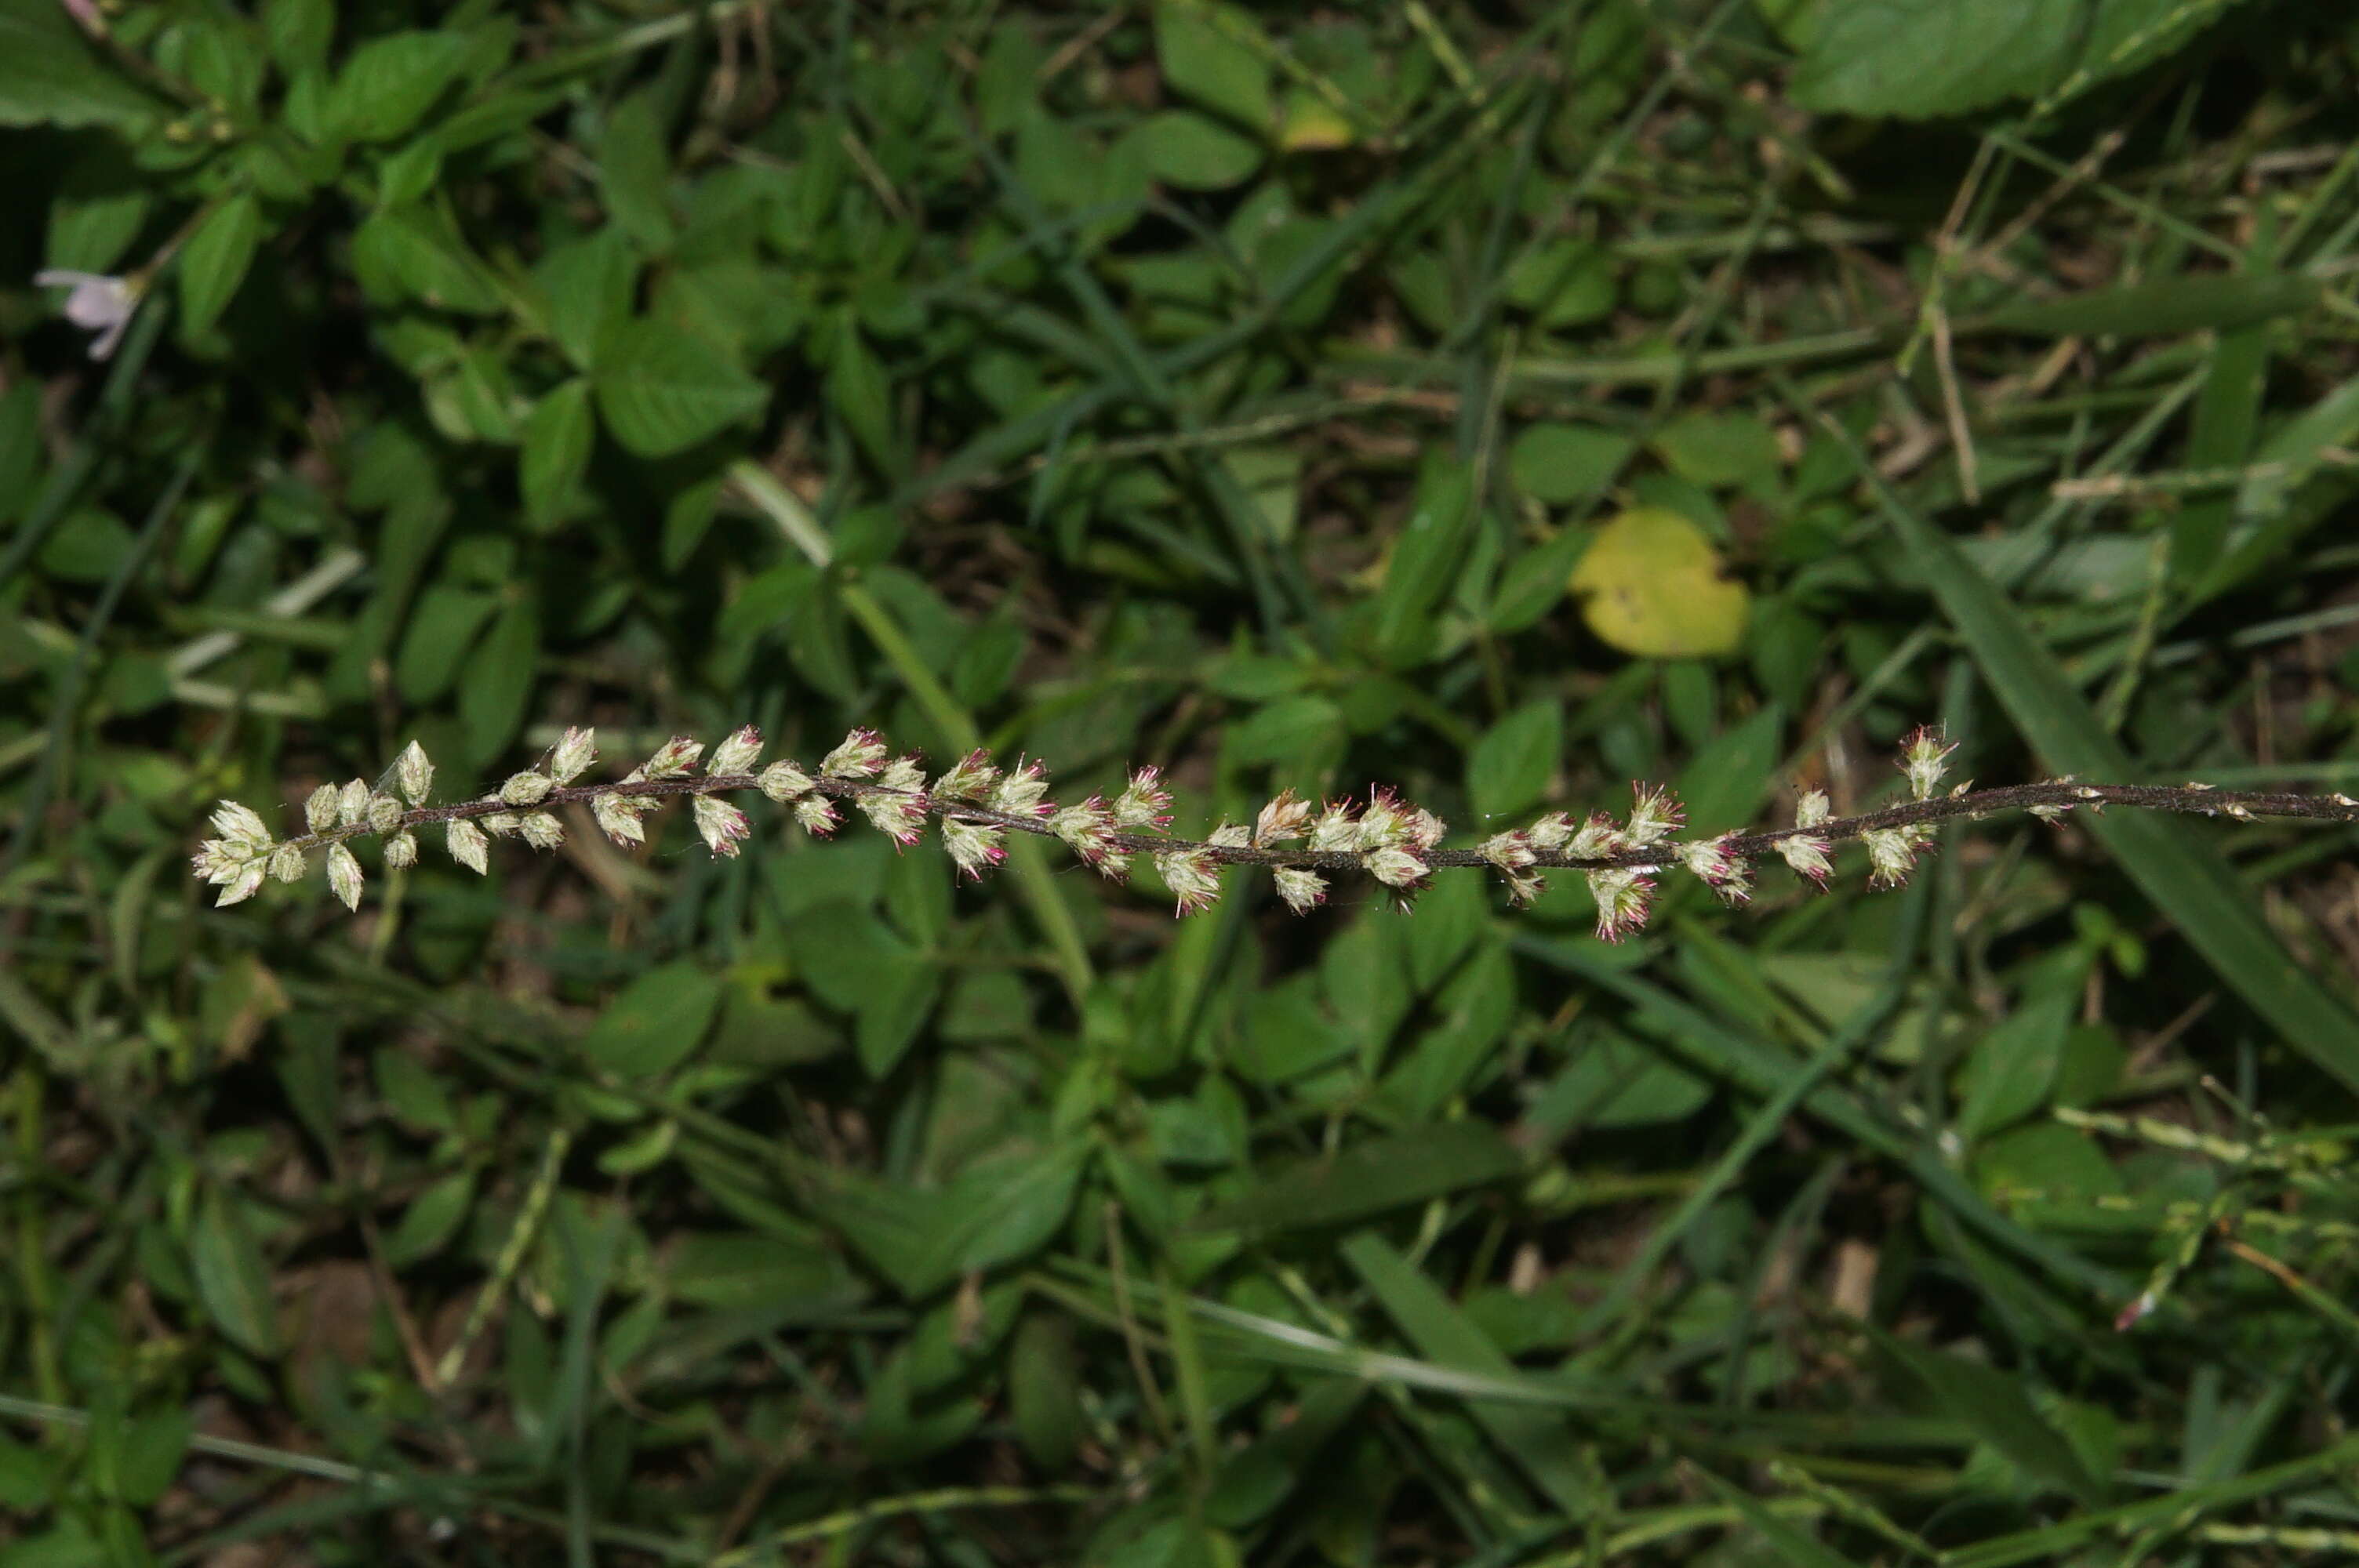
[430, 1220]
[1650, 584]
[499, 678]
[412, 253]
[662, 391]
[1370, 1178]
[558, 439]
[1562, 463]
[1044, 1392]
[389, 83]
[861, 394]
[2009, 1071]
[656, 1023]
[1202, 49]
[1565, 283]
[1718, 449]
[233, 1280]
[1195, 152]
[740, 1270]
[50, 74]
[634, 169]
[1918, 59]
[1510, 766]
[1424, 559]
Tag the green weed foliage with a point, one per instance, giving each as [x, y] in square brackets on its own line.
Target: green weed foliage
[1186, 430]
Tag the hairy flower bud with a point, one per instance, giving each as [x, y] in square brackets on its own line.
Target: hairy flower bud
[673, 759]
[241, 885]
[344, 875]
[1145, 806]
[526, 789]
[1020, 792]
[1625, 899]
[1088, 830]
[540, 830]
[1922, 758]
[1230, 836]
[576, 750]
[817, 815]
[1284, 818]
[352, 803]
[400, 850]
[1550, 832]
[239, 827]
[1336, 829]
[862, 754]
[467, 845]
[1711, 861]
[288, 863]
[735, 755]
[1512, 854]
[1807, 855]
[383, 814]
[320, 809]
[977, 847]
[1396, 866]
[1890, 856]
[783, 782]
[617, 816]
[720, 824]
[1655, 816]
[1303, 890]
[415, 772]
[1193, 877]
[1812, 808]
[970, 779]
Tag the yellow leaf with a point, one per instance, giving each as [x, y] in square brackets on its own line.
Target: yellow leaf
[1650, 584]
[1312, 125]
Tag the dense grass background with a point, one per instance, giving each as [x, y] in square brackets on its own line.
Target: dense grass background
[1238, 392]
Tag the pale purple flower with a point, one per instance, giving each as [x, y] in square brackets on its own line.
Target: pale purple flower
[99, 302]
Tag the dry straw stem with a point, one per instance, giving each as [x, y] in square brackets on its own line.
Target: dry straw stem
[976, 804]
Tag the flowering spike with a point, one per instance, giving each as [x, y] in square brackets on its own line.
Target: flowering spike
[415, 772]
[344, 875]
[737, 754]
[720, 824]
